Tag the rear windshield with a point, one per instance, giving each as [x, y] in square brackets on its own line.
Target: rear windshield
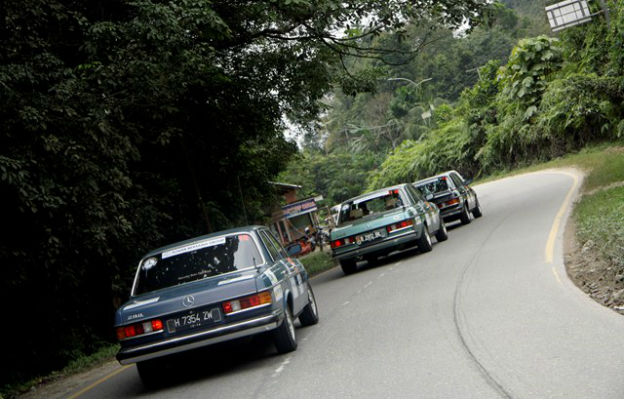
[436, 186]
[196, 261]
[370, 205]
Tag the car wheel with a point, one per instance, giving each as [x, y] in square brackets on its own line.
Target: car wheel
[465, 218]
[149, 372]
[348, 266]
[425, 241]
[371, 260]
[284, 337]
[441, 234]
[477, 211]
[309, 315]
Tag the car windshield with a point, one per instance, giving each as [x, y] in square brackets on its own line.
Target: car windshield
[436, 186]
[197, 260]
[370, 205]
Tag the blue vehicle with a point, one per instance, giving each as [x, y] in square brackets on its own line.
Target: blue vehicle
[212, 289]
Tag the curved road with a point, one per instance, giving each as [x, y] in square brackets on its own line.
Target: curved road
[485, 314]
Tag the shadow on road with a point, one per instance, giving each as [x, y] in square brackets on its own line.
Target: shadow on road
[213, 362]
[384, 260]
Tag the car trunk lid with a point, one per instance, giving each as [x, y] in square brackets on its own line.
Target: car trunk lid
[194, 295]
[369, 223]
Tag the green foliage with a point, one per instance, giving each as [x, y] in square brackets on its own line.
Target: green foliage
[546, 101]
[338, 176]
[80, 363]
[127, 125]
[599, 218]
[580, 108]
[604, 168]
[447, 147]
[317, 262]
[525, 76]
[446, 63]
[603, 164]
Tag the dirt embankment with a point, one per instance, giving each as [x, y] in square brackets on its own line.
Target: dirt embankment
[601, 279]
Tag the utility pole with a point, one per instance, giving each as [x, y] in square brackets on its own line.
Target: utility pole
[605, 12]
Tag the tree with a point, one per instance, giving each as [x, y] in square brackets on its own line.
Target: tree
[126, 125]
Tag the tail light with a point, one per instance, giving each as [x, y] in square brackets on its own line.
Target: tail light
[255, 300]
[452, 202]
[141, 328]
[400, 225]
[341, 242]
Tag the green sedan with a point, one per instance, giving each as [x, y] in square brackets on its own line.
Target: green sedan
[377, 223]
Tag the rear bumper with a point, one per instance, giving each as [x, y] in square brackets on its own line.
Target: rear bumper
[194, 340]
[451, 213]
[386, 245]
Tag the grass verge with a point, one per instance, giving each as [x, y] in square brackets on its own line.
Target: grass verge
[599, 219]
[602, 163]
[317, 262]
[79, 364]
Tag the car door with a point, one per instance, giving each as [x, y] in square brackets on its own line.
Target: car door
[294, 270]
[415, 204]
[431, 210]
[459, 184]
[466, 191]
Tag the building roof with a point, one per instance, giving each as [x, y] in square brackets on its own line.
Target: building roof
[285, 186]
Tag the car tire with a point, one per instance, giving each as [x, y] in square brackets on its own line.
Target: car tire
[441, 234]
[348, 266]
[150, 373]
[284, 336]
[310, 314]
[465, 218]
[477, 211]
[425, 241]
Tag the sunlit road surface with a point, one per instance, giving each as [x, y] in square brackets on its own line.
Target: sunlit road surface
[485, 314]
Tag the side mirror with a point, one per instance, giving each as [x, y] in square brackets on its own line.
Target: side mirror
[429, 196]
[468, 181]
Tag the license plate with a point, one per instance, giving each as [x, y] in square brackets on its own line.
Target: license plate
[193, 319]
[369, 236]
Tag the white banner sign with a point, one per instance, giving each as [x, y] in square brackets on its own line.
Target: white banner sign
[193, 246]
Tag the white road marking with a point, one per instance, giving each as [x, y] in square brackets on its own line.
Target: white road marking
[555, 273]
[368, 284]
[281, 367]
[381, 275]
[346, 303]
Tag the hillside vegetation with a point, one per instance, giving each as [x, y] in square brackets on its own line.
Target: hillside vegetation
[553, 95]
[507, 94]
[128, 125]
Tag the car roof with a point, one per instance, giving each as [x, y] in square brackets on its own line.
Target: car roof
[386, 189]
[249, 229]
[432, 178]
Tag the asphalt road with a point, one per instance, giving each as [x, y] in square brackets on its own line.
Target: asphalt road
[485, 314]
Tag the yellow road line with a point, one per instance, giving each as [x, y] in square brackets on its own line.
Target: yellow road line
[549, 248]
[99, 381]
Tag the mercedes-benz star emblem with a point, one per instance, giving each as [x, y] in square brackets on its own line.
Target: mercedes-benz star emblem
[188, 301]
